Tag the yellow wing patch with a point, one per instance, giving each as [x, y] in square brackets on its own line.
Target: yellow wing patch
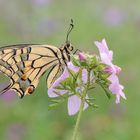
[54, 74]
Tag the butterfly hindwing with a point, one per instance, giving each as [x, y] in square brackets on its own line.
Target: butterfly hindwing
[55, 72]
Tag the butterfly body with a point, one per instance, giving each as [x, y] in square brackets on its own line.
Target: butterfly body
[25, 64]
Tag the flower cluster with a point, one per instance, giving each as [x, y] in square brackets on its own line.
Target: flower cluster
[82, 74]
[66, 87]
[106, 57]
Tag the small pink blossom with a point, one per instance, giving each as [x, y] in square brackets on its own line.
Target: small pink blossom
[74, 101]
[111, 70]
[106, 56]
[82, 56]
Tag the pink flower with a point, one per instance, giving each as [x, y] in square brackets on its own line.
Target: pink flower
[106, 58]
[74, 101]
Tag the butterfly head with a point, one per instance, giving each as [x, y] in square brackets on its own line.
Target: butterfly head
[69, 47]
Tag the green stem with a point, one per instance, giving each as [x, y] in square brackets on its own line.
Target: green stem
[83, 98]
[77, 122]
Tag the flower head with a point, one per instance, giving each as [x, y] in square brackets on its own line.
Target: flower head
[82, 75]
[106, 56]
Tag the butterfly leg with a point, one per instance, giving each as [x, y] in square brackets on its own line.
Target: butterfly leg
[77, 51]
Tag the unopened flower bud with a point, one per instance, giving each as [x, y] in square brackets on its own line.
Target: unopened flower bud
[82, 56]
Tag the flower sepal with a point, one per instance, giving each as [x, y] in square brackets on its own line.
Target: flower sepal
[104, 86]
[75, 60]
[55, 103]
[92, 61]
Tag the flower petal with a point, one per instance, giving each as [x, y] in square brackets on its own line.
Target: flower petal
[52, 90]
[105, 53]
[72, 67]
[105, 59]
[86, 105]
[118, 69]
[74, 103]
[84, 75]
[116, 88]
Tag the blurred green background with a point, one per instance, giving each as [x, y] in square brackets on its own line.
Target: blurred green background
[46, 22]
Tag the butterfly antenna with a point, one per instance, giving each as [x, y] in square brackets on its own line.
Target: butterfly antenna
[69, 30]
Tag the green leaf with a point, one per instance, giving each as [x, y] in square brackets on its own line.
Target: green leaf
[91, 104]
[107, 94]
[52, 106]
[90, 99]
[60, 88]
[105, 90]
[56, 102]
[94, 105]
[83, 64]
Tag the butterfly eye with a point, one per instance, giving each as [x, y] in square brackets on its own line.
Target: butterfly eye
[70, 48]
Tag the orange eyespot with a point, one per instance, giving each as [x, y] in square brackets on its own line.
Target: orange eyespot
[30, 89]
